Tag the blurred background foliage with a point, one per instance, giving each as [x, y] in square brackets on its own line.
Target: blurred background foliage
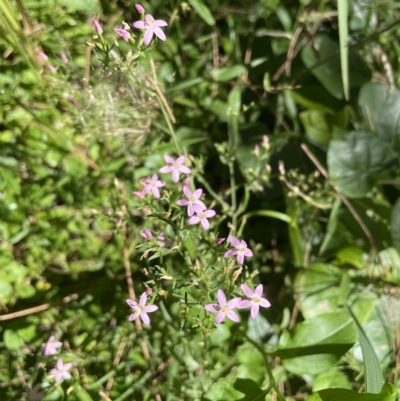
[321, 211]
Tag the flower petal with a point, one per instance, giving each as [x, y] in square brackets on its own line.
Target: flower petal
[234, 241]
[190, 210]
[143, 299]
[184, 169]
[233, 316]
[145, 317]
[247, 290]
[180, 160]
[160, 22]
[166, 169]
[199, 206]
[169, 159]
[66, 375]
[243, 244]
[150, 308]
[139, 25]
[234, 302]
[175, 175]
[212, 308]
[244, 304]
[254, 310]
[220, 317]
[205, 224]
[134, 316]
[182, 202]
[210, 213]
[193, 220]
[196, 194]
[231, 252]
[221, 298]
[248, 253]
[240, 258]
[264, 303]
[160, 33]
[156, 192]
[259, 290]
[148, 36]
[187, 191]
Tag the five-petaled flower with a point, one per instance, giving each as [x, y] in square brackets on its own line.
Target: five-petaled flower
[152, 27]
[240, 250]
[152, 184]
[256, 300]
[223, 308]
[193, 201]
[175, 166]
[122, 32]
[61, 371]
[202, 218]
[32, 394]
[50, 348]
[141, 309]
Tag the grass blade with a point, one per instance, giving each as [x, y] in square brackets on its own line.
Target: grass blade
[343, 17]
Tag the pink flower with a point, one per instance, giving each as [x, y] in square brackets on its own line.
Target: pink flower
[139, 8]
[146, 234]
[176, 166]
[32, 394]
[240, 250]
[265, 139]
[51, 68]
[219, 241]
[202, 218]
[153, 184]
[97, 27]
[141, 309]
[152, 27]
[64, 58]
[122, 32]
[61, 371]
[255, 300]
[223, 308]
[50, 348]
[43, 56]
[193, 203]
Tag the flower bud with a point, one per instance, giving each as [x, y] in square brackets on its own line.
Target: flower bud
[146, 234]
[148, 291]
[219, 241]
[43, 56]
[97, 27]
[64, 58]
[139, 8]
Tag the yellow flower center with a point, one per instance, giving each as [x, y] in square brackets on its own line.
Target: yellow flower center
[256, 300]
[192, 199]
[224, 309]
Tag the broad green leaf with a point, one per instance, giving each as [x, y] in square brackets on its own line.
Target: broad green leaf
[332, 378]
[203, 11]
[317, 126]
[249, 356]
[233, 389]
[325, 65]
[343, 16]
[380, 107]
[12, 340]
[355, 161]
[388, 393]
[317, 289]
[6, 292]
[227, 73]
[317, 344]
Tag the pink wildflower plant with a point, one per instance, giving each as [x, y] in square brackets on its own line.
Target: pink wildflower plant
[202, 217]
[224, 308]
[152, 184]
[61, 372]
[141, 309]
[50, 348]
[175, 166]
[122, 32]
[240, 250]
[151, 27]
[193, 202]
[256, 300]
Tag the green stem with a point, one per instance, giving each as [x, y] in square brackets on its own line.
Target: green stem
[218, 198]
[233, 196]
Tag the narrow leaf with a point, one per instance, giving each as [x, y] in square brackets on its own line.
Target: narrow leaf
[203, 11]
[343, 15]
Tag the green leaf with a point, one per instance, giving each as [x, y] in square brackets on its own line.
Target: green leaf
[88, 6]
[380, 108]
[227, 73]
[325, 65]
[388, 393]
[317, 344]
[332, 378]
[317, 126]
[6, 292]
[355, 161]
[12, 340]
[332, 224]
[233, 389]
[203, 11]
[343, 16]
[269, 213]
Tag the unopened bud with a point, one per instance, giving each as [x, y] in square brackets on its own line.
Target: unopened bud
[146, 211]
[43, 56]
[219, 241]
[256, 150]
[97, 27]
[148, 291]
[64, 58]
[146, 234]
[139, 8]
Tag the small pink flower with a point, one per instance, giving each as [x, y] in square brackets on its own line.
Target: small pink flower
[50, 348]
[255, 300]
[153, 184]
[97, 27]
[265, 139]
[175, 166]
[122, 32]
[219, 241]
[139, 8]
[223, 308]
[43, 56]
[240, 250]
[202, 218]
[141, 309]
[146, 234]
[32, 394]
[64, 58]
[193, 201]
[61, 371]
[152, 27]
[51, 68]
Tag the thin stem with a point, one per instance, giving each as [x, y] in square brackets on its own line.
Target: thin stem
[233, 195]
[218, 198]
